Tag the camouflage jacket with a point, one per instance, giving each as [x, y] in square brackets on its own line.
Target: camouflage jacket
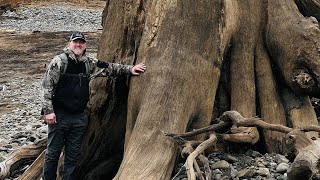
[52, 75]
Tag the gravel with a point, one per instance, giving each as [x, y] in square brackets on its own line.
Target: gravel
[20, 126]
[241, 166]
[59, 17]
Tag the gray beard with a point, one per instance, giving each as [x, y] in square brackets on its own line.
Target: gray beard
[78, 52]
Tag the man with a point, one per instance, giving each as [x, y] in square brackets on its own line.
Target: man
[66, 93]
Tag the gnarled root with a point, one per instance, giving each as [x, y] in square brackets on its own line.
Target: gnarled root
[307, 149]
[242, 135]
[191, 162]
[191, 158]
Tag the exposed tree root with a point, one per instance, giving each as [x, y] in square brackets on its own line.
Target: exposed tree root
[306, 148]
[200, 149]
[212, 128]
[196, 166]
[206, 166]
[186, 151]
[242, 135]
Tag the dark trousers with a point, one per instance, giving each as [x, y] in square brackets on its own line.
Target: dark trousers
[67, 132]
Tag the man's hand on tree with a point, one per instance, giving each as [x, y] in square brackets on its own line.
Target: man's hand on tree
[50, 118]
[137, 69]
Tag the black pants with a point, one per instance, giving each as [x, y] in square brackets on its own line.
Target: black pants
[67, 132]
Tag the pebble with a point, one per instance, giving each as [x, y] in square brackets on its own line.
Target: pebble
[248, 166]
[217, 176]
[220, 165]
[263, 172]
[282, 168]
[230, 158]
[280, 159]
[245, 173]
[253, 153]
[282, 177]
[217, 171]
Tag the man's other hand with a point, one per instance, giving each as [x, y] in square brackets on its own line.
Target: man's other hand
[137, 69]
[50, 118]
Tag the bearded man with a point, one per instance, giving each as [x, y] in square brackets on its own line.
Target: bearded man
[66, 93]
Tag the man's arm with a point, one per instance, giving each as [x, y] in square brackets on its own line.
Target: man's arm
[49, 82]
[101, 68]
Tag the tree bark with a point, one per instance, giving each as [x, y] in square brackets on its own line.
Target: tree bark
[185, 45]
[152, 108]
[270, 103]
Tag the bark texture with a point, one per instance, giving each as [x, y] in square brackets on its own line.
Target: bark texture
[188, 68]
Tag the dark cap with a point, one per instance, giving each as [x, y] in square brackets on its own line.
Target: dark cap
[77, 35]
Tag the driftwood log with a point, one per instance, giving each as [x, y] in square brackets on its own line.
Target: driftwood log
[34, 171]
[22, 156]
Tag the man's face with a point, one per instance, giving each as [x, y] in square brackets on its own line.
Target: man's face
[77, 46]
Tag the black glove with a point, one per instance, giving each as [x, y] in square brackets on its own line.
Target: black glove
[102, 64]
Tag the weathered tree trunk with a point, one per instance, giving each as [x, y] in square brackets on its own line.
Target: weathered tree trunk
[269, 48]
[189, 69]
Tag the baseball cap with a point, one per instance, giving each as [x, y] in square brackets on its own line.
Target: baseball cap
[77, 35]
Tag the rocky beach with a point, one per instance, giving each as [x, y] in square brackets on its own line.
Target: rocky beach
[31, 34]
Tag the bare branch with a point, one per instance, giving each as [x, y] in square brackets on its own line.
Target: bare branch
[238, 120]
[189, 147]
[206, 165]
[310, 128]
[191, 158]
[178, 173]
[212, 128]
[196, 166]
